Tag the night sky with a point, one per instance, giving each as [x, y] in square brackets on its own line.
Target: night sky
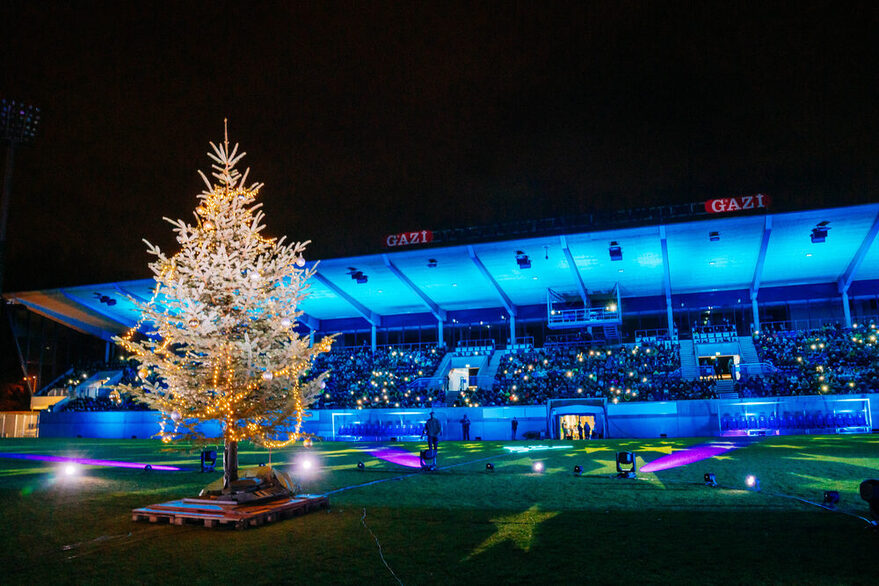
[367, 118]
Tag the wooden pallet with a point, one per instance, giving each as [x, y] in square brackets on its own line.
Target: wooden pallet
[213, 512]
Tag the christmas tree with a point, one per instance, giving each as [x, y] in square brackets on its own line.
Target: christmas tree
[217, 340]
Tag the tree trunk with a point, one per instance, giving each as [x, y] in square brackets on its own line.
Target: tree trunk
[230, 464]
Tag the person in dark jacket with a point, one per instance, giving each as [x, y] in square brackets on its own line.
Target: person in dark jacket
[465, 428]
[432, 429]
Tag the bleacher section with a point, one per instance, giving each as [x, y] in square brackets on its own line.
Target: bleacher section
[622, 373]
[829, 360]
[362, 379]
[777, 362]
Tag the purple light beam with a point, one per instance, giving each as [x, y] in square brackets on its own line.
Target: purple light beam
[688, 456]
[89, 462]
[397, 456]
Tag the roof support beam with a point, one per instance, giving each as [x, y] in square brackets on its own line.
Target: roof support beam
[128, 293]
[70, 322]
[578, 278]
[761, 257]
[845, 281]
[511, 309]
[438, 313]
[367, 314]
[666, 281]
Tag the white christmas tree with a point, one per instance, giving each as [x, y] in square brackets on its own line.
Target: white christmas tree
[216, 342]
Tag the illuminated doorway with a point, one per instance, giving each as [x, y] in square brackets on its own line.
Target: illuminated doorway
[576, 426]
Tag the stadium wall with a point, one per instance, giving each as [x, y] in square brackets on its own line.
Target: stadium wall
[698, 418]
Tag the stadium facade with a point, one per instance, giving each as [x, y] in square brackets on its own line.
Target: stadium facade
[668, 272]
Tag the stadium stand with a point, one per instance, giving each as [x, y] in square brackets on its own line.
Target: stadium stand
[829, 360]
[360, 378]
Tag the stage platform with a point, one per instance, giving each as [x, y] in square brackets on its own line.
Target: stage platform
[215, 512]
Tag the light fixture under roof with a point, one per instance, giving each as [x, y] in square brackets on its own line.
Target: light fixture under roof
[523, 260]
[819, 232]
[714, 236]
[615, 251]
[431, 263]
[357, 275]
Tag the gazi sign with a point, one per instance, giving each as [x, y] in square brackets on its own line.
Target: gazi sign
[408, 238]
[735, 204]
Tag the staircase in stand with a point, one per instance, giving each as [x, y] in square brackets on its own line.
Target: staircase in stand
[689, 366]
[612, 333]
[748, 351]
[493, 364]
[725, 389]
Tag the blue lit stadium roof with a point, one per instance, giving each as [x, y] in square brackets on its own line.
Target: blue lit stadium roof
[486, 276]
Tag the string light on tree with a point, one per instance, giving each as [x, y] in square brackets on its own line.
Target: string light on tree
[217, 339]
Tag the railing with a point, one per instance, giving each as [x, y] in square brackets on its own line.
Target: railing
[428, 383]
[522, 344]
[715, 334]
[747, 369]
[651, 335]
[474, 347]
[475, 343]
[556, 340]
[583, 315]
[407, 346]
[805, 325]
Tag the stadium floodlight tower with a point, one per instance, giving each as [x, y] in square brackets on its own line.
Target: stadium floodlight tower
[18, 125]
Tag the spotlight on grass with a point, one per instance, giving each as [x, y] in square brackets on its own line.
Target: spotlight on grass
[361, 466]
[626, 466]
[537, 467]
[489, 467]
[752, 482]
[831, 498]
[710, 479]
[578, 470]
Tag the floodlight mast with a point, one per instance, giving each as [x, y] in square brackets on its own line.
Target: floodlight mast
[18, 125]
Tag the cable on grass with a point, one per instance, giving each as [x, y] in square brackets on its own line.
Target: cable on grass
[380, 553]
[869, 522]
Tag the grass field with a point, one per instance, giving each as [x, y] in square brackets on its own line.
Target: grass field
[458, 525]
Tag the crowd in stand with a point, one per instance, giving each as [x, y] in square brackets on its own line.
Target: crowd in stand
[114, 401]
[647, 372]
[104, 404]
[359, 378]
[829, 360]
